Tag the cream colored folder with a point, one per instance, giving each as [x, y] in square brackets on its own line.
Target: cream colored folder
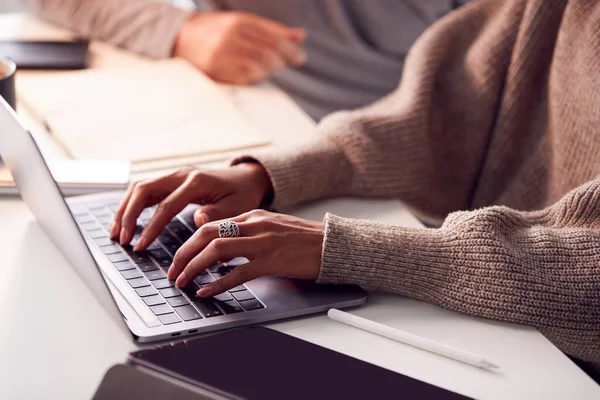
[155, 111]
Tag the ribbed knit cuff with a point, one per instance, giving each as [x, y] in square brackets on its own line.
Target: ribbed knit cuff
[407, 261]
[316, 170]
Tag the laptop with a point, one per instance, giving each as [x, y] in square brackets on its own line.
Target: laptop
[133, 286]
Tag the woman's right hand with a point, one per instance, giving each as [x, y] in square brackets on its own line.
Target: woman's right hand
[221, 194]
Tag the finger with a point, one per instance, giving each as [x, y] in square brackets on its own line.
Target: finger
[156, 189]
[218, 249]
[197, 243]
[277, 38]
[225, 208]
[269, 59]
[291, 52]
[137, 202]
[249, 71]
[165, 212]
[116, 222]
[238, 276]
[296, 34]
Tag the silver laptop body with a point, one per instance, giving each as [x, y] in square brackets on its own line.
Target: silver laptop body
[125, 288]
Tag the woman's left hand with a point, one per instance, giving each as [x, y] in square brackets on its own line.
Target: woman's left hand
[274, 244]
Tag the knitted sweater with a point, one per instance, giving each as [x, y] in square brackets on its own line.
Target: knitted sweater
[497, 115]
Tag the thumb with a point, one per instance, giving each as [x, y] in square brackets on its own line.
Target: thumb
[208, 213]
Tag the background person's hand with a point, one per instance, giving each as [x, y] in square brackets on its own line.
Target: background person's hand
[239, 48]
[275, 244]
[221, 193]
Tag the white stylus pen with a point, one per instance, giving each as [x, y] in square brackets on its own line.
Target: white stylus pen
[410, 339]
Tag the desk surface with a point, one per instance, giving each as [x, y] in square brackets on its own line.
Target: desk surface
[56, 341]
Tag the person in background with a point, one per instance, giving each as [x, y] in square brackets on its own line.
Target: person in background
[351, 52]
[493, 133]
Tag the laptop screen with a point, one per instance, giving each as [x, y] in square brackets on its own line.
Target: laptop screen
[38, 189]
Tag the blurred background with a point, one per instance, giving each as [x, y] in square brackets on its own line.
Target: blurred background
[10, 6]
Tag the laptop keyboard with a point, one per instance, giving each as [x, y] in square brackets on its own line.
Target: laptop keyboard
[146, 272]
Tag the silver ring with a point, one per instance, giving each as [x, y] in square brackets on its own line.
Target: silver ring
[229, 229]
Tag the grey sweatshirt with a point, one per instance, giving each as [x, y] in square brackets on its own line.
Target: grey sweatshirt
[355, 48]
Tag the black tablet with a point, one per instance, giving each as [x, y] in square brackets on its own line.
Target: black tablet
[260, 363]
[46, 54]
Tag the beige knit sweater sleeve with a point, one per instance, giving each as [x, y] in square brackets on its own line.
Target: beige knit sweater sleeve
[144, 26]
[403, 145]
[538, 268]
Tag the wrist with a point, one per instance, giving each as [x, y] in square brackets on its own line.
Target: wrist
[261, 182]
[186, 32]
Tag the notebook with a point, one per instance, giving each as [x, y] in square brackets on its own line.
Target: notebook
[154, 111]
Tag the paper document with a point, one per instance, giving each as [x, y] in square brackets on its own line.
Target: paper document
[155, 111]
[76, 177]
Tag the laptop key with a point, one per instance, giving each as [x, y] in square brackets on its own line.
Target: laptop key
[243, 295]
[223, 297]
[237, 289]
[91, 226]
[165, 263]
[85, 219]
[166, 238]
[97, 234]
[251, 304]
[140, 258]
[160, 254]
[215, 267]
[172, 247]
[230, 307]
[153, 300]
[190, 290]
[188, 313]
[204, 279]
[105, 241]
[177, 301]
[162, 283]
[169, 319]
[146, 291]
[156, 274]
[221, 272]
[170, 292]
[147, 267]
[131, 274]
[110, 249]
[154, 246]
[161, 309]
[124, 265]
[138, 282]
[118, 257]
[207, 307]
[78, 211]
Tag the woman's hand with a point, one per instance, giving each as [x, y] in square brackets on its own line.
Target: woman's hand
[221, 194]
[275, 244]
[239, 48]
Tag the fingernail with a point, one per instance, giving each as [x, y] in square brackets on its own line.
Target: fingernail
[203, 292]
[180, 282]
[141, 244]
[124, 235]
[171, 272]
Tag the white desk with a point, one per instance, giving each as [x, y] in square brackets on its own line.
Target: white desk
[46, 353]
